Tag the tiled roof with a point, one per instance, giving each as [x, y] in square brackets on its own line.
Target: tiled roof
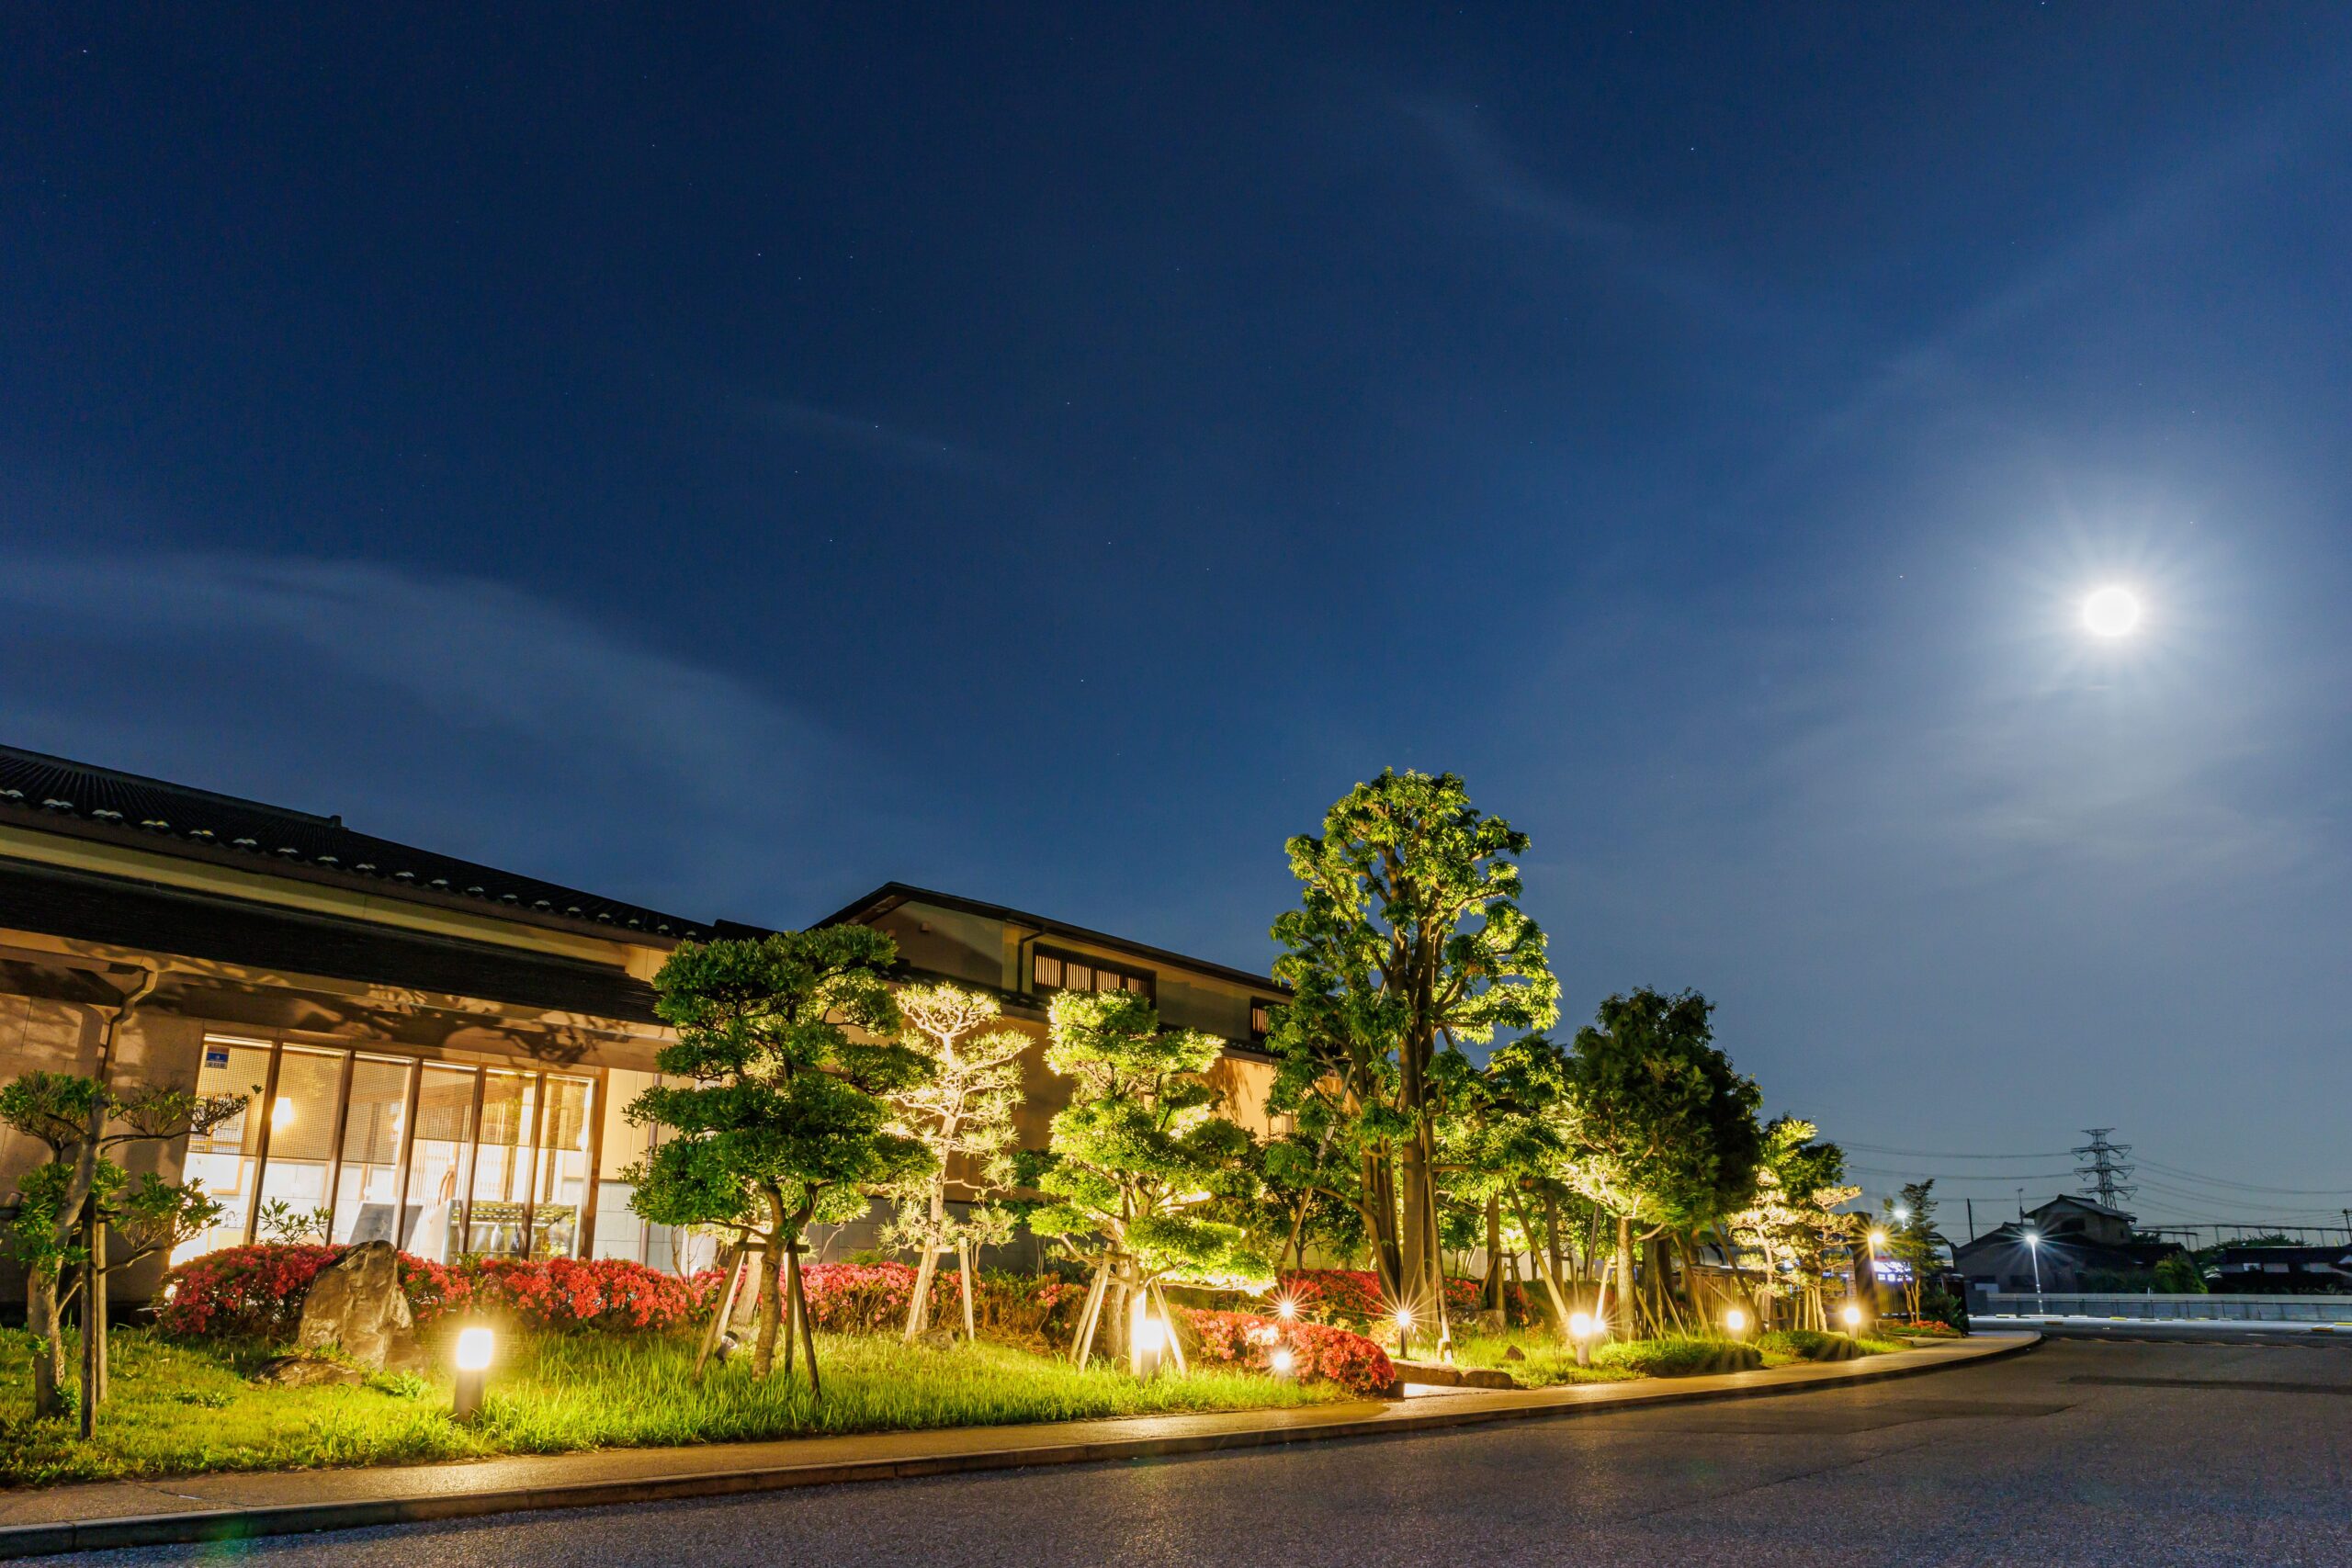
[199, 823]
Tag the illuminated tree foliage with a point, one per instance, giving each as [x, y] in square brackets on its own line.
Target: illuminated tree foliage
[779, 1120]
[962, 1112]
[1910, 1227]
[80, 1204]
[1793, 1221]
[1409, 943]
[1136, 1159]
[1664, 1133]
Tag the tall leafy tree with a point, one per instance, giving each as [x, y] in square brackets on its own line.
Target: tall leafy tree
[1137, 1160]
[775, 1109]
[962, 1112]
[1408, 943]
[1666, 1128]
[80, 1217]
[1910, 1227]
[1796, 1219]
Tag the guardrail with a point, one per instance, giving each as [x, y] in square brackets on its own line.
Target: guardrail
[2210, 1309]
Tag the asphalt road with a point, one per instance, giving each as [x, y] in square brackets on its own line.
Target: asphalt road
[2079, 1453]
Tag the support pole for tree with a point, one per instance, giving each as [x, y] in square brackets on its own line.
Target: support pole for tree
[1082, 1346]
[90, 1329]
[726, 1311]
[800, 1312]
[1175, 1342]
[965, 1262]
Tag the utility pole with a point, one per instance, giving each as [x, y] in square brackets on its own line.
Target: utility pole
[1972, 1219]
[2106, 1168]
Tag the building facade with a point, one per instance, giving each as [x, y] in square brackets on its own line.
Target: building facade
[432, 1051]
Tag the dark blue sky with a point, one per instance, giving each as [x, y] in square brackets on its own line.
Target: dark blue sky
[729, 461]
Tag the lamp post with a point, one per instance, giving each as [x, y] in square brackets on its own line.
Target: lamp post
[1404, 1332]
[1580, 1331]
[2033, 1250]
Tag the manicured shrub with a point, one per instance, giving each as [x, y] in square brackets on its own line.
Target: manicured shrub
[1320, 1352]
[1678, 1356]
[1809, 1345]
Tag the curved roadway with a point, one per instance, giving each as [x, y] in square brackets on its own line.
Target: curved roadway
[2078, 1453]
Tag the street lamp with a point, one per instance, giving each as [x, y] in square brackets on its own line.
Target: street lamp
[2033, 1250]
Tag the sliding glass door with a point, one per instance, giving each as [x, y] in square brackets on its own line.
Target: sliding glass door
[443, 1159]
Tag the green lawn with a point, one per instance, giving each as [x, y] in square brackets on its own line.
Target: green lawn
[1547, 1363]
[180, 1409]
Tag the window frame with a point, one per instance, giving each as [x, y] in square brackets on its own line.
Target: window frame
[1121, 967]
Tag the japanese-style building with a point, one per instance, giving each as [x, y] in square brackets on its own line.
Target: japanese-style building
[432, 1051]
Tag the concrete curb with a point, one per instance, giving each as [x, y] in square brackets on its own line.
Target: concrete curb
[240, 1524]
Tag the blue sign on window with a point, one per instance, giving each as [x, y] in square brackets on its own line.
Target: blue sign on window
[216, 1058]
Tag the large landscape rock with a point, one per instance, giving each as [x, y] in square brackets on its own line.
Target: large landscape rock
[357, 1305]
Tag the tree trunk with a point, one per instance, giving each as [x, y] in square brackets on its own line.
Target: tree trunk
[772, 1261]
[42, 1316]
[1550, 1285]
[1626, 1327]
[919, 1309]
[1495, 1297]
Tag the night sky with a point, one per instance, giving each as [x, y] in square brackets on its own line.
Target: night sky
[730, 461]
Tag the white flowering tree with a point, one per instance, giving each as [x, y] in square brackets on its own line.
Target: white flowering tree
[962, 1114]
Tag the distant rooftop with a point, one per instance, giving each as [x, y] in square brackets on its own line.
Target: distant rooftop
[41, 791]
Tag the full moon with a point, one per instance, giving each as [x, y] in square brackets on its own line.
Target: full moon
[2111, 612]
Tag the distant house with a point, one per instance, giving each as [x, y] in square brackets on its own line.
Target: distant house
[2258, 1270]
[2078, 1245]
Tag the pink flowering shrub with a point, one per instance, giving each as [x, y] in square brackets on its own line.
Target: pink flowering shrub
[257, 1291]
[1318, 1352]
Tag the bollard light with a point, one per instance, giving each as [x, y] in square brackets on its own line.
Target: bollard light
[1580, 1327]
[1282, 1362]
[1736, 1320]
[474, 1346]
[1151, 1338]
[1853, 1317]
[1404, 1330]
[1286, 1309]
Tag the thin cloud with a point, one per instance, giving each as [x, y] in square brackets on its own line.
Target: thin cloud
[870, 438]
[423, 704]
[1494, 177]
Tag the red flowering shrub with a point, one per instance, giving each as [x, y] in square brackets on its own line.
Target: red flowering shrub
[242, 1292]
[1353, 1295]
[256, 1291]
[1317, 1350]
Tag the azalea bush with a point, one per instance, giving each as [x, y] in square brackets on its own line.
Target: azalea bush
[1353, 1295]
[872, 1298]
[257, 1291]
[1319, 1351]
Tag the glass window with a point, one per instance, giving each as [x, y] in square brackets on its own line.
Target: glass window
[368, 1184]
[223, 1161]
[440, 1161]
[1049, 970]
[505, 1152]
[562, 1185]
[301, 1139]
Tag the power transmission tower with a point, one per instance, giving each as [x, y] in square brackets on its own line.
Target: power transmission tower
[2106, 1168]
